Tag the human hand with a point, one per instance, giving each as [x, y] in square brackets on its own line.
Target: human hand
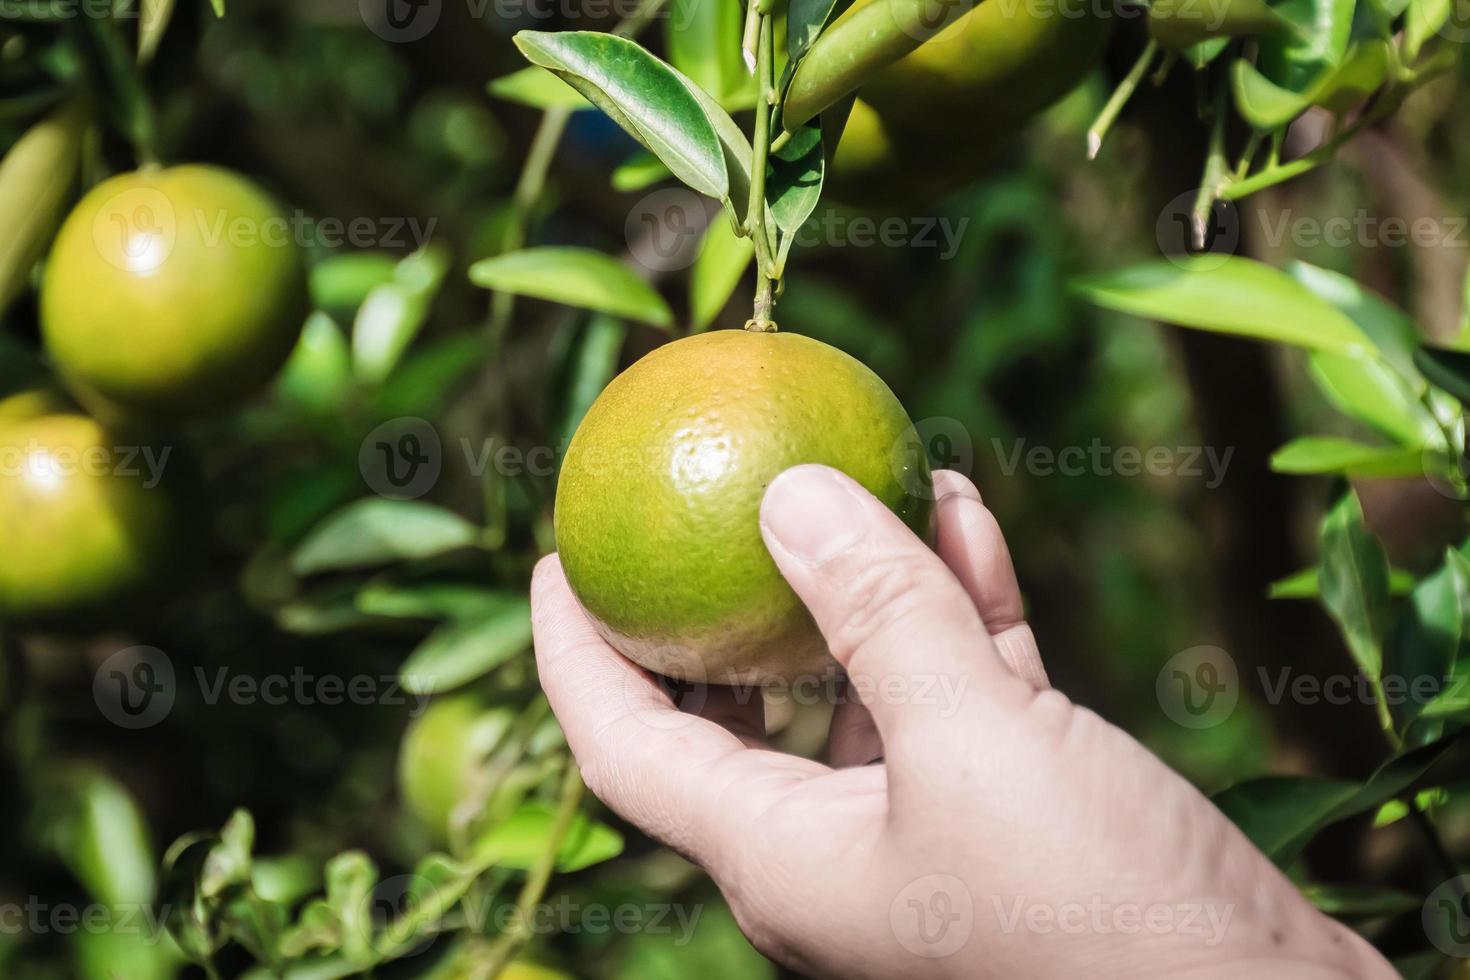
[1005, 832]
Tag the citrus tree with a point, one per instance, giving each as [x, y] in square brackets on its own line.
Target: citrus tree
[286, 599]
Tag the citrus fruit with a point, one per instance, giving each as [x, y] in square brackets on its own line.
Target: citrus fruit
[946, 110]
[172, 292]
[88, 516]
[442, 752]
[658, 506]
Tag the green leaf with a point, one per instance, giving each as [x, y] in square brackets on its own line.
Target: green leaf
[1422, 21]
[805, 21]
[577, 277]
[154, 16]
[641, 170]
[1365, 388]
[318, 376]
[1294, 60]
[1448, 370]
[537, 88]
[377, 531]
[703, 42]
[1304, 585]
[1266, 105]
[340, 284]
[1281, 814]
[1354, 901]
[429, 375]
[1329, 454]
[1354, 583]
[433, 600]
[96, 828]
[648, 98]
[1390, 329]
[520, 841]
[1426, 641]
[1177, 24]
[595, 364]
[351, 877]
[219, 7]
[723, 258]
[393, 313]
[36, 176]
[1227, 295]
[794, 184]
[459, 652]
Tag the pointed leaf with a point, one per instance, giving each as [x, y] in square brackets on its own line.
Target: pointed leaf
[1427, 639]
[393, 313]
[1390, 329]
[1365, 388]
[577, 277]
[1236, 296]
[521, 840]
[1304, 584]
[639, 171]
[1354, 583]
[794, 184]
[645, 96]
[1281, 814]
[459, 652]
[703, 42]
[1329, 454]
[154, 16]
[537, 88]
[376, 531]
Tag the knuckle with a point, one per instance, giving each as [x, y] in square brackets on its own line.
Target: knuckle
[882, 596]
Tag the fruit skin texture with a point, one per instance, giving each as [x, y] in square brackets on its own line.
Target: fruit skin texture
[79, 537]
[947, 109]
[172, 293]
[658, 507]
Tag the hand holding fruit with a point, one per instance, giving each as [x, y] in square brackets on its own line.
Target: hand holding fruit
[986, 806]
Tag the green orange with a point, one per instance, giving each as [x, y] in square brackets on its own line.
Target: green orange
[88, 520]
[658, 508]
[173, 292]
[443, 755]
[948, 108]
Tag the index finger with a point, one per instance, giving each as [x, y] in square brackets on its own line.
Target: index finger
[682, 779]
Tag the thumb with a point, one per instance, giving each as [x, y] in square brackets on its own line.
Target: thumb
[892, 613]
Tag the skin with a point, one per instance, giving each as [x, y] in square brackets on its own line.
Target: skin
[172, 292]
[983, 814]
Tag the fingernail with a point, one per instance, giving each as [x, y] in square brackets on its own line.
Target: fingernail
[813, 514]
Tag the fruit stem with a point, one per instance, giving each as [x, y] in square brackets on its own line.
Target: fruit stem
[756, 214]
